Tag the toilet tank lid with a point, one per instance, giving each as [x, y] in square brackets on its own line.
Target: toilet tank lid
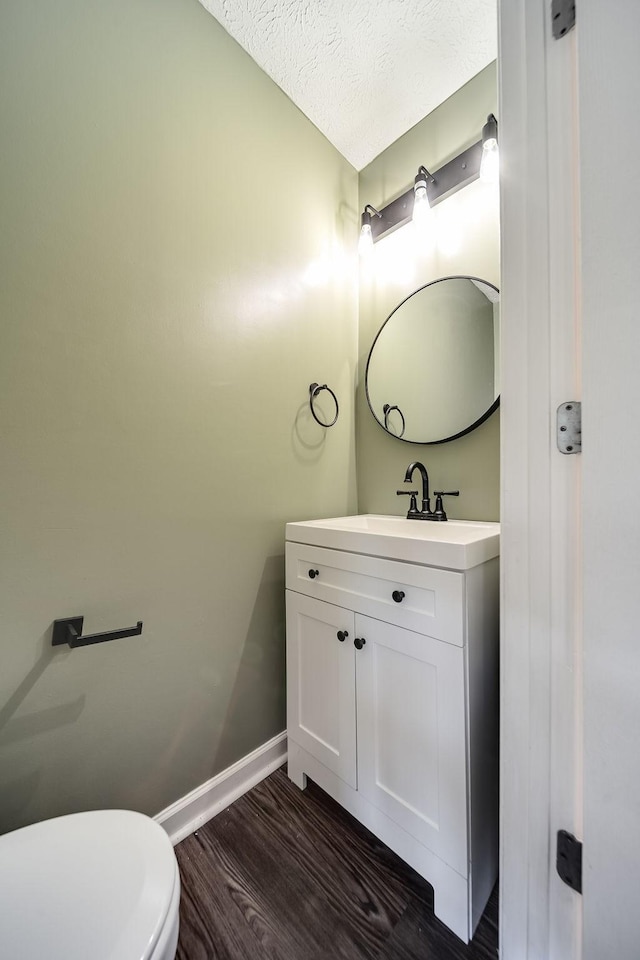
[96, 884]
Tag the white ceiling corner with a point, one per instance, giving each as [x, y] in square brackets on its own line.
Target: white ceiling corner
[364, 73]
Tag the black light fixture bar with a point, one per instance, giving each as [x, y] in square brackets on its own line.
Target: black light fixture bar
[453, 176]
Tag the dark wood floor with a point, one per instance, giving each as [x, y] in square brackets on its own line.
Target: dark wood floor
[290, 875]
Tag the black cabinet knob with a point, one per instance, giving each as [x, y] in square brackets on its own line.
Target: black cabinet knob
[359, 643]
[342, 635]
[398, 595]
[314, 573]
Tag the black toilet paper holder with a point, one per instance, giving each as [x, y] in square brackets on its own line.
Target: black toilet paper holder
[69, 630]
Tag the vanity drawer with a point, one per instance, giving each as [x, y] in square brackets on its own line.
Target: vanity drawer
[433, 600]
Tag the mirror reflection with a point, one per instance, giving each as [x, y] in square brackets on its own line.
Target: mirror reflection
[432, 373]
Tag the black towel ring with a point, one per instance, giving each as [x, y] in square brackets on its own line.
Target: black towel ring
[387, 410]
[314, 390]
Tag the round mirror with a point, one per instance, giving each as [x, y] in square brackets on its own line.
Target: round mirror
[432, 373]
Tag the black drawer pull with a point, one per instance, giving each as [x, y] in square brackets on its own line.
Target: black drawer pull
[314, 573]
[398, 595]
[359, 643]
[342, 635]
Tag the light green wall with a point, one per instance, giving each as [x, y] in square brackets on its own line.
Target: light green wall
[468, 243]
[173, 278]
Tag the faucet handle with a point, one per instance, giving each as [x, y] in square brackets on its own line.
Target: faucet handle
[439, 513]
[413, 506]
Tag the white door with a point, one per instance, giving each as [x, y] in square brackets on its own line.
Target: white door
[411, 735]
[321, 683]
[571, 534]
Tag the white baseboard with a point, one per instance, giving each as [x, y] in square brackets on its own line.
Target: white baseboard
[193, 810]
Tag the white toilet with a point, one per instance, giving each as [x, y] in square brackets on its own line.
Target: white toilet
[102, 885]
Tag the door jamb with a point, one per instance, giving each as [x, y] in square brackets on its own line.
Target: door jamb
[540, 626]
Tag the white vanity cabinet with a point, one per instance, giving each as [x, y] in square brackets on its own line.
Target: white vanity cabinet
[392, 708]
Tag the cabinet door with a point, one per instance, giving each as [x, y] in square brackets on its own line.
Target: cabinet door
[411, 735]
[321, 708]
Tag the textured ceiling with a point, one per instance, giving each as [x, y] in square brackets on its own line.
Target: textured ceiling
[364, 71]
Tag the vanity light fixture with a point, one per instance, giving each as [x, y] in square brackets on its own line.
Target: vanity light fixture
[365, 243]
[489, 163]
[430, 188]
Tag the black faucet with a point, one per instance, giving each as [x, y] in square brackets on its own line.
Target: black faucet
[425, 513]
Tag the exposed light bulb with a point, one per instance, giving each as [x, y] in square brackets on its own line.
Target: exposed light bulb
[421, 205]
[365, 242]
[422, 212]
[490, 163]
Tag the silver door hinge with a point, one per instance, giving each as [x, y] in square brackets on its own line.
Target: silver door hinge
[563, 17]
[569, 427]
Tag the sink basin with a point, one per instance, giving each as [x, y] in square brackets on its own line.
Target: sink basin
[456, 544]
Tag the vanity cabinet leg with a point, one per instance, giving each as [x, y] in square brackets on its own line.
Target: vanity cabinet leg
[294, 767]
[451, 902]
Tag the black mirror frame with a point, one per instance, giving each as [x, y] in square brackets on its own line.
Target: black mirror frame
[485, 416]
